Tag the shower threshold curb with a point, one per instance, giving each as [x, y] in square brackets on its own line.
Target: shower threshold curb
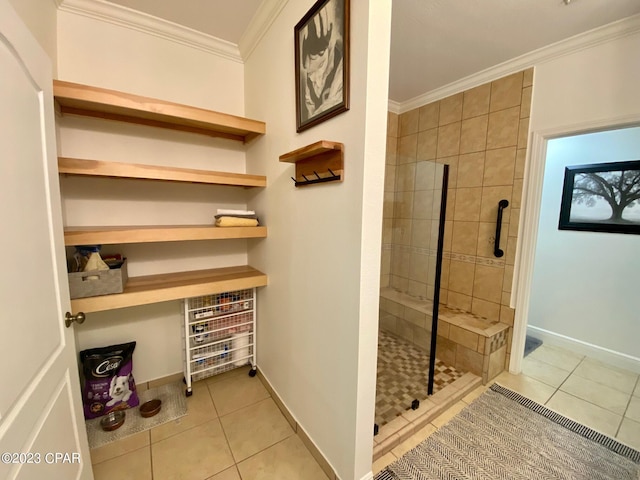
[401, 428]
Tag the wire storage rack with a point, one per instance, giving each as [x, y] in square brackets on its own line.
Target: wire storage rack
[219, 334]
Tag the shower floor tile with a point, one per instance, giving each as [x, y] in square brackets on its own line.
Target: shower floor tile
[402, 376]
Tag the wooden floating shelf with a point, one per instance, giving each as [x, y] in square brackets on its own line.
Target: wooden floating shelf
[164, 233]
[97, 168]
[173, 286]
[84, 100]
[319, 162]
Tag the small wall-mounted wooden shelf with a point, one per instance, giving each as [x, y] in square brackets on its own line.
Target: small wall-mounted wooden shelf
[84, 100]
[319, 162]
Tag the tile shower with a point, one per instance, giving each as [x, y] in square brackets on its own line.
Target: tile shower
[482, 135]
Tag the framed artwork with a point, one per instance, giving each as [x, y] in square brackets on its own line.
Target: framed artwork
[603, 197]
[322, 63]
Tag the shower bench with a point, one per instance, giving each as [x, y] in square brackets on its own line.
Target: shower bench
[465, 341]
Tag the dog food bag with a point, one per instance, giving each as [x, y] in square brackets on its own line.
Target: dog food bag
[108, 381]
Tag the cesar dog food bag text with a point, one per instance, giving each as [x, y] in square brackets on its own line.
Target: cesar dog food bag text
[108, 381]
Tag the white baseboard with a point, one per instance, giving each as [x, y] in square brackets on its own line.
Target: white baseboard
[368, 476]
[616, 359]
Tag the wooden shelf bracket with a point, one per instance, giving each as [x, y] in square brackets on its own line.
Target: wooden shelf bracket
[320, 162]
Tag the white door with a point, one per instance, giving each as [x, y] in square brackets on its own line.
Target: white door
[42, 434]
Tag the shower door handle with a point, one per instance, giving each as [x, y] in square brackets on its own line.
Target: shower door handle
[502, 204]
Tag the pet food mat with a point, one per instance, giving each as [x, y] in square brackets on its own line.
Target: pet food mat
[174, 405]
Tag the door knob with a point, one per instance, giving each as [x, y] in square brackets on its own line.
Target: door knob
[69, 319]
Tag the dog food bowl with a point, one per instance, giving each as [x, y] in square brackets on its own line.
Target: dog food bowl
[112, 421]
[150, 408]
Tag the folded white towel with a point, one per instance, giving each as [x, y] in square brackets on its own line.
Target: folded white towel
[226, 211]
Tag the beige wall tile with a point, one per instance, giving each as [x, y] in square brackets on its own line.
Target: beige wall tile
[496, 362]
[490, 198]
[448, 140]
[510, 251]
[415, 317]
[448, 233]
[392, 124]
[499, 166]
[423, 205]
[446, 350]
[426, 175]
[488, 310]
[470, 170]
[523, 133]
[405, 330]
[503, 128]
[407, 149]
[527, 77]
[388, 322]
[517, 193]
[467, 359]
[427, 144]
[418, 290]
[463, 337]
[418, 270]
[402, 231]
[459, 300]
[506, 92]
[451, 109]
[400, 262]
[521, 156]
[389, 178]
[487, 283]
[404, 205]
[473, 134]
[508, 278]
[392, 151]
[444, 273]
[444, 296]
[451, 203]
[514, 221]
[461, 277]
[408, 123]
[486, 239]
[506, 296]
[465, 237]
[388, 204]
[443, 328]
[421, 233]
[525, 106]
[385, 264]
[467, 206]
[476, 101]
[482, 341]
[507, 315]
[429, 116]
[405, 177]
[399, 283]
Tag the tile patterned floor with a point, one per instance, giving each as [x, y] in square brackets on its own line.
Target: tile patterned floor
[233, 431]
[402, 376]
[600, 396]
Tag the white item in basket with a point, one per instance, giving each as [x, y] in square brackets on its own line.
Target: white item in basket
[240, 342]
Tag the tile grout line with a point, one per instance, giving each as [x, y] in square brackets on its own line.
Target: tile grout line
[624, 415]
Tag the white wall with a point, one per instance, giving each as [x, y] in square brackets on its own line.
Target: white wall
[106, 55]
[585, 283]
[317, 319]
[589, 89]
[40, 17]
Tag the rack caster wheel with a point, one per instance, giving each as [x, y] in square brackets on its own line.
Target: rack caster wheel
[253, 371]
[188, 392]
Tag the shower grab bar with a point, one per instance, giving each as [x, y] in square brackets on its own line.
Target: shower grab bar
[502, 204]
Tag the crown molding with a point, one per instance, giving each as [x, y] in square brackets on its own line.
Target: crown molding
[266, 14]
[142, 22]
[394, 107]
[606, 33]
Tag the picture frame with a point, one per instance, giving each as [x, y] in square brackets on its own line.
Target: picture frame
[603, 197]
[322, 63]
